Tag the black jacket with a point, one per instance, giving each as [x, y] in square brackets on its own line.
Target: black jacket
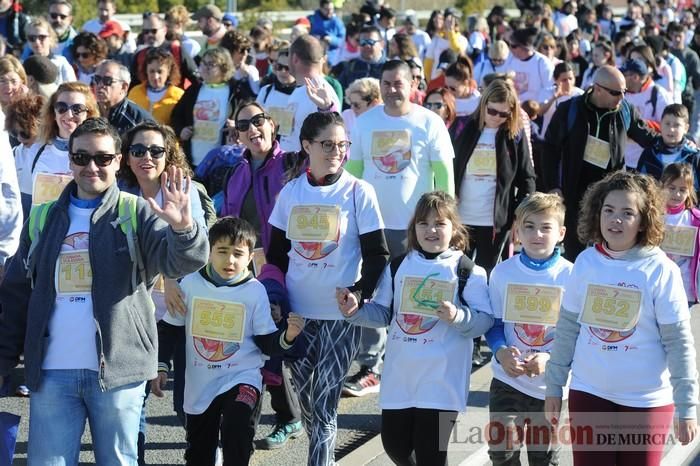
[513, 169]
[126, 114]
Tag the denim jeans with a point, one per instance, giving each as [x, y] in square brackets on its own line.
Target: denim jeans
[59, 408]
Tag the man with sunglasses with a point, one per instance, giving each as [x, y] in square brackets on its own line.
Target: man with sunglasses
[61, 19]
[111, 84]
[77, 302]
[586, 140]
[369, 63]
[533, 71]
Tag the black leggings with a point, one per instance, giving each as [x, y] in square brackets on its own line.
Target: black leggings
[417, 436]
[486, 243]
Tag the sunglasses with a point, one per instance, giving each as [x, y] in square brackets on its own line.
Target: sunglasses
[433, 105]
[258, 120]
[76, 109]
[106, 81]
[613, 92]
[280, 67]
[209, 64]
[370, 42]
[58, 16]
[83, 55]
[498, 113]
[83, 159]
[35, 37]
[328, 146]
[149, 31]
[358, 105]
[139, 151]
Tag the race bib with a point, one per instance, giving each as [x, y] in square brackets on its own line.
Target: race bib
[74, 273]
[206, 131]
[597, 152]
[532, 304]
[258, 260]
[680, 240]
[421, 296]
[48, 186]
[313, 223]
[482, 163]
[611, 307]
[391, 150]
[284, 117]
[218, 320]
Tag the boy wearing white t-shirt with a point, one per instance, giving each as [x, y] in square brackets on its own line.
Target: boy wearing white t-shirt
[525, 294]
[230, 333]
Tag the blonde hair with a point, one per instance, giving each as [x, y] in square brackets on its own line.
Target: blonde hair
[223, 59]
[178, 15]
[10, 64]
[500, 91]
[498, 50]
[538, 203]
[682, 171]
[367, 88]
[49, 129]
[41, 22]
[445, 207]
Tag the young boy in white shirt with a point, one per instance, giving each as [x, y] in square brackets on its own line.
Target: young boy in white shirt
[525, 294]
[229, 334]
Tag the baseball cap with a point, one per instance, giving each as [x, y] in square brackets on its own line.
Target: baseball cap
[451, 11]
[208, 11]
[411, 18]
[231, 18]
[111, 28]
[447, 57]
[635, 65]
[304, 21]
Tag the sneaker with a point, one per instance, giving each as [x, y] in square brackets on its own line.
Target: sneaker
[478, 358]
[362, 383]
[279, 435]
[22, 390]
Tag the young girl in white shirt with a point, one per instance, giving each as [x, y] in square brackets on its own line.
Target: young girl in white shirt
[431, 325]
[624, 329]
[682, 222]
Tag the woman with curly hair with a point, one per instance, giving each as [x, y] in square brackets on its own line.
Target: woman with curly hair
[624, 327]
[88, 51]
[246, 76]
[157, 93]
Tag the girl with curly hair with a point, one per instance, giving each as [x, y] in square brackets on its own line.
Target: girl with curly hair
[88, 51]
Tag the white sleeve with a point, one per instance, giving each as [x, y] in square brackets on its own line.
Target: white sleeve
[367, 214]
[10, 205]
[357, 149]
[384, 293]
[441, 149]
[476, 291]
[670, 300]
[279, 216]
[572, 300]
[496, 286]
[253, 78]
[262, 315]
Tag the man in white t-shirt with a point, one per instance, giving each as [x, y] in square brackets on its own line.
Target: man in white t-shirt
[403, 150]
[106, 9]
[533, 71]
[420, 38]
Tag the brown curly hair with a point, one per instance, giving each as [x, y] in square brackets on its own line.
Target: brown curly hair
[96, 45]
[25, 113]
[651, 207]
[446, 208]
[162, 57]
[174, 156]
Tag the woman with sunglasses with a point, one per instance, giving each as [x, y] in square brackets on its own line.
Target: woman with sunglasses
[156, 93]
[327, 233]
[493, 167]
[448, 37]
[601, 55]
[458, 80]
[275, 96]
[361, 95]
[246, 76]
[548, 48]
[68, 107]
[88, 51]
[42, 40]
[494, 63]
[442, 102]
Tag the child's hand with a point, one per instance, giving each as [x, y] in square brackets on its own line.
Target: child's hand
[276, 312]
[535, 364]
[552, 409]
[509, 358]
[685, 430]
[447, 312]
[174, 299]
[158, 384]
[347, 302]
[295, 324]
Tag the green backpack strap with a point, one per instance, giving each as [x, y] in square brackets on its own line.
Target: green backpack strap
[37, 221]
[127, 221]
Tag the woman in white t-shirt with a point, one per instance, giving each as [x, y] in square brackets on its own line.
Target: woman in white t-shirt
[327, 233]
[458, 80]
[624, 330]
[362, 94]
[42, 39]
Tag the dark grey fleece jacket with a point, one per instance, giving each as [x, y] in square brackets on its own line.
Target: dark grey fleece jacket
[126, 337]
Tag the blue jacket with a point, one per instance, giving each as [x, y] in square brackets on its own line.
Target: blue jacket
[651, 162]
[332, 27]
[126, 339]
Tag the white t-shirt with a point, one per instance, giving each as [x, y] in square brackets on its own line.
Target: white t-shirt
[24, 156]
[439, 45]
[276, 103]
[427, 362]
[253, 77]
[683, 261]
[547, 118]
[529, 338]
[421, 40]
[626, 367]
[71, 329]
[215, 366]
[210, 112]
[533, 77]
[397, 153]
[66, 73]
[95, 26]
[643, 103]
[477, 193]
[302, 107]
[467, 105]
[324, 224]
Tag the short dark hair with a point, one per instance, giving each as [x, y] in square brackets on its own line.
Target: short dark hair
[236, 230]
[677, 110]
[307, 49]
[674, 27]
[393, 65]
[99, 127]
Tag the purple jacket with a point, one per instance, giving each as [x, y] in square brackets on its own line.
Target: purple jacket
[267, 182]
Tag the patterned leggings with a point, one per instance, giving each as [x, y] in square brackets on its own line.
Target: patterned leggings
[331, 347]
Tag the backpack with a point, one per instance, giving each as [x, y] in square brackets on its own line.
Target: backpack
[625, 111]
[214, 170]
[207, 204]
[464, 270]
[127, 222]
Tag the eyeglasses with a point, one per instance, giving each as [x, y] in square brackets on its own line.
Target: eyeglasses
[433, 105]
[498, 113]
[106, 81]
[243, 50]
[280, 67]
[149, 31]
[58, 16]
[76, 109]
[258, 120]
[208, 64]
[83, 159]
[613, 92]
[328, 146]
[496, 62]
[83, 54]
[370, 42]
[9, 82]
[358, 105]
[37, 37]
[139, 151]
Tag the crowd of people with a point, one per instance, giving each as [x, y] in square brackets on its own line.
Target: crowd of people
[249, 213]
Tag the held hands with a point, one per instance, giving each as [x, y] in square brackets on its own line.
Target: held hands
[295, 324]
[318, 93]
[552, 409]
[447, 312]
[535, 363]
[174, 299]
[176, 199]
[158, 384]
[347, 301]
[685, 430]
[509, 358]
